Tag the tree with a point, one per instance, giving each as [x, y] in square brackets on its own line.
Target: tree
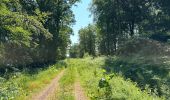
[108, 20]
[87, 38]
[118, 20]
[157, 25]
[60, 19]
[35, 31]
[20, 33]
[74, 51]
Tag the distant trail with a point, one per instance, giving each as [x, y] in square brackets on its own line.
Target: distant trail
[50, 89]
[79, 93]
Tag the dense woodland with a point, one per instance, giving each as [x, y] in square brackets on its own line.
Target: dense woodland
[116, 21]
[34, 31]
[137, 32]
[128, 41]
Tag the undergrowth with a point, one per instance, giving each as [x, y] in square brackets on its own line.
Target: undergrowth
[22, 85]
[100, 85]
[148, 74]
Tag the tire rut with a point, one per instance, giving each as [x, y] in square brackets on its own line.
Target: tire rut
[50, 89]
[79, 93]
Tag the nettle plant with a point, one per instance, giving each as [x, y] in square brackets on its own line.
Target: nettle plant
[104, 87]
[8, 90]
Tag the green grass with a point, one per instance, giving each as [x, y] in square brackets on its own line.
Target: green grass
[66, 85]
[99, 82]
[99, 85]
[21, 86]
[156, 76]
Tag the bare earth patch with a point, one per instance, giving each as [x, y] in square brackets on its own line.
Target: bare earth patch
[50, 89]
[79, 93]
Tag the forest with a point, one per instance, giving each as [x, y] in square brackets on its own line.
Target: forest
[123, 55]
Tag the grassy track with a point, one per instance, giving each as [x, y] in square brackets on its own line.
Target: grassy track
[66, 85]
[93, 82]
[49, 90]
[32, 85]
[23, 86]
[70, 88]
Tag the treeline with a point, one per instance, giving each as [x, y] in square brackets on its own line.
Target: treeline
[34, 31]
[116, 21]
[87, 42]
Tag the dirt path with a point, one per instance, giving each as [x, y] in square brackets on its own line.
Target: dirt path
[50, 89]
[79, 93]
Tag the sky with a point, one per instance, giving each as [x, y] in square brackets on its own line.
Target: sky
[82, 17]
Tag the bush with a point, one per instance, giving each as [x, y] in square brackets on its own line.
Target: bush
[156, 76]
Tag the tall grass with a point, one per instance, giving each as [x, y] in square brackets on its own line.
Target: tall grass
[22, 85]
[99, 85]
[156, 76]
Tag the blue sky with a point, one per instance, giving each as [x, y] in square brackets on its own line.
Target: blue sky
[82, 17]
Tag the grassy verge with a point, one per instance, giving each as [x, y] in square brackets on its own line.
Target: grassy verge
[99, 85]
[22, 85]
[66, 85]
